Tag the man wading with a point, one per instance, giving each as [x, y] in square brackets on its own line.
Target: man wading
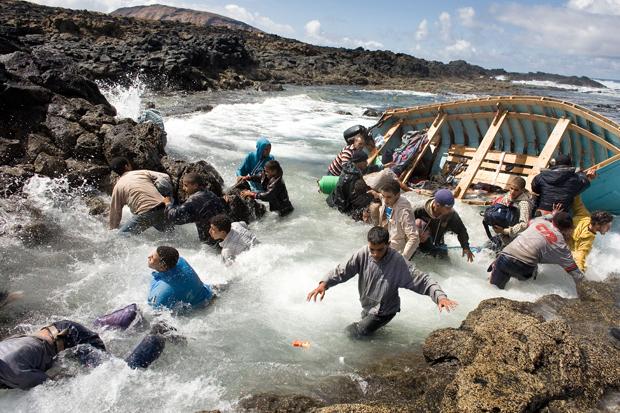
[382, 271]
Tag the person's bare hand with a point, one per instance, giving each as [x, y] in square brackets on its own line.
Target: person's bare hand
[424, 235]
[498, 229]
[470, 255]
[555, 208]
[591, 174]
[167, 201]
[320, 290]
[446, 303]
[246, 193]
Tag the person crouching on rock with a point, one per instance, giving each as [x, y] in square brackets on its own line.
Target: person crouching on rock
[382, 271]
[275, 190]
[175, 283]
[255, 162]
[199, 207]
[235, 236]
[142, 191]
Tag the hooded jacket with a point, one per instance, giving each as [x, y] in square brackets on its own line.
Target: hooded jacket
[438, 226]
[254, 163]
[178, 285]
[379, 281]
[350, 195]
[200, 207]
[404, 236]
[238, 240]
[274, 192]
[559, 185]
[582, 238]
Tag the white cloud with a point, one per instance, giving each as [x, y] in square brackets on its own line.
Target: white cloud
[313, 29]
[460, 49]
[255, 19]
[422, 31]
[466, 15]
[445, 26]
[570, 31]
[609, 7]
[315, 35]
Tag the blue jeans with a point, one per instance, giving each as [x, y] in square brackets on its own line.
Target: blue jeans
[506, 267]
[155, 218]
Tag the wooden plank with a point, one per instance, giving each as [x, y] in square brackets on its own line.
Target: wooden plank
[552, 143]
[484, 147]
[510, 158]
[594, 138]
[386, 138]
[433, 137]
[488, 177]
[606, 162]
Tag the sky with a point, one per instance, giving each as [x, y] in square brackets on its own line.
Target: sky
[569, 37]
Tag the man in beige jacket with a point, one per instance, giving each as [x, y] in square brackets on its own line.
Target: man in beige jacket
[396, 215]
[141, 191]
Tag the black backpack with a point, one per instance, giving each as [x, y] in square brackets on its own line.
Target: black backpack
[501, 215]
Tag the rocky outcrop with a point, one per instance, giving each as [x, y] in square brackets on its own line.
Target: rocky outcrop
[555, 355]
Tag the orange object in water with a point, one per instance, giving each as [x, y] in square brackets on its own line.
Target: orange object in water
[299, 343]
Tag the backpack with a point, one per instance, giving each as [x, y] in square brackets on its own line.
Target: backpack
[501, 215]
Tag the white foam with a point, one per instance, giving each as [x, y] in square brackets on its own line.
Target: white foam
[126, 100]
[397, 92]
[612, 88]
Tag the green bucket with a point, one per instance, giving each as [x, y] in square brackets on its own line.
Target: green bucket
[327, 184]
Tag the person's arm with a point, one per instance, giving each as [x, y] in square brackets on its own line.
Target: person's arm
[558, 253]
[456, 225]
[536, 184]
[244, 169]
[422, 283]
[116, 208]
[524, 219]
[584, 182]
[410, 229]
[338, 275]
[270, 193]
[579, 209]
[180, 214]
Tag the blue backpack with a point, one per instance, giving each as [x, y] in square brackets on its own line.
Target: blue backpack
[501, 215]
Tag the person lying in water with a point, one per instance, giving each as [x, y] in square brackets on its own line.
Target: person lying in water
[275, 189]
[235, 236]
[26, 359]
[382, 271]
[175, 283]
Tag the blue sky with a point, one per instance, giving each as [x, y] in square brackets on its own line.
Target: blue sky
[571, 37]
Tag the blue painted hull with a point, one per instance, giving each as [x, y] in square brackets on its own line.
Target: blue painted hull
[604, 193]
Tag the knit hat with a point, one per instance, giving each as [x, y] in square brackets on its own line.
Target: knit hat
[359, 156]
[444, 197]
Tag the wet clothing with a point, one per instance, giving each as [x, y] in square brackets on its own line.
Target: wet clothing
[254, 163]
[368, 324]
[400, 223]
[138, 190]
[275, 193]
[350, 195]
[153, 116]
[379, 281]
[238, 240]
[24, 359]
[582, 238]
[335, 168]
[506, 267]
[542, 243]
[177, 286]
[199, 208]
[524, 205]
[559, 185]
[438, 226]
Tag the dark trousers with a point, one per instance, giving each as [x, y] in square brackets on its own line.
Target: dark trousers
[368, 324]
[156, 218]
[506, 267]
[437, 251]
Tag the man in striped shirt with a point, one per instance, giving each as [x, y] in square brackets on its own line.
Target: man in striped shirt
[345, 155]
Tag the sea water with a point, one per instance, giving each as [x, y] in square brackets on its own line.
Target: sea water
[241, 344]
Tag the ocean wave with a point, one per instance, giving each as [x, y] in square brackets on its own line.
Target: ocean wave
[396, 92]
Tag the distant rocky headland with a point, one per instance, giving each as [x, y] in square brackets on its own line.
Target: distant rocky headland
[211, 55]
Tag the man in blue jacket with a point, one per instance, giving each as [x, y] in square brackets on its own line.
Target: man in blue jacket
[254, 162]
[199, 207]
[175, 283]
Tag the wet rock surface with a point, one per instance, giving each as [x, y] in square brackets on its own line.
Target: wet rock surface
[555, 355]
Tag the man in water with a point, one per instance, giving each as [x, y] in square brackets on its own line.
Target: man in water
[254, 163]
[199, 207]
[586, 227]
[235, 236]
[542, 242]
[382, 271]
[175, 283]
[439, 217]
[152, 115]
[351, 193]
[141, 191]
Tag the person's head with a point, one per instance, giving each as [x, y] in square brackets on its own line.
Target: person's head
[563, 221]
[516, 186]
[600, 221]
[72, 334]
[219, 226]
[378, 242]
[358, 142]
[561, 160]
[150, 105]
[263, 147]
[360, 159]
[193, 182]
[443, 202]
[353, 132]
[120, 165]
[273, 169]
[390, 192]
[163, 258]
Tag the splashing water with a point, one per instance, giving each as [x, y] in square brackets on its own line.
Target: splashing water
[126, 100]
[242, 343]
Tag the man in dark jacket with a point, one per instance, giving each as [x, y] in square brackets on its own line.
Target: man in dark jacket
[559, 185]
[439, 217]
[200, 206]
[351, 194]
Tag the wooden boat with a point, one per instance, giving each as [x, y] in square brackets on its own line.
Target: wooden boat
[489, 139]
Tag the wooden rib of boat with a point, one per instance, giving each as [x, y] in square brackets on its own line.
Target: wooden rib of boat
[495, 137]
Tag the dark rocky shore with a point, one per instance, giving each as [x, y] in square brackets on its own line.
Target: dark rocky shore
[554, 355]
